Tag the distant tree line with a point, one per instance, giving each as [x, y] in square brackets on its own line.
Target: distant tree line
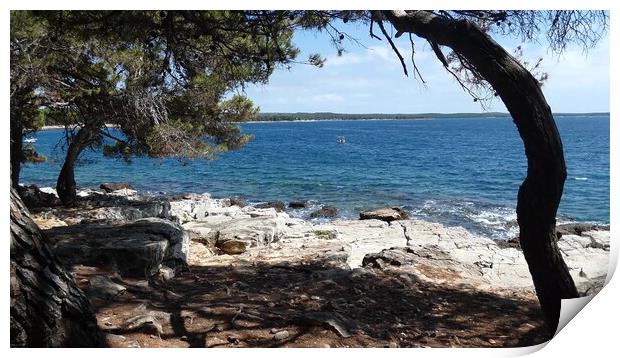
[304, 116]
[320, 116]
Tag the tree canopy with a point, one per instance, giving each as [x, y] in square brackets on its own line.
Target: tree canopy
[171, 81]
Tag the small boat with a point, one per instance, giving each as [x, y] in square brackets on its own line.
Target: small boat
[340, 139]
[30, 140]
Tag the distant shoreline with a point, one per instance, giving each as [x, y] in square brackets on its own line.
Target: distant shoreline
[318, 116]
[328, 116]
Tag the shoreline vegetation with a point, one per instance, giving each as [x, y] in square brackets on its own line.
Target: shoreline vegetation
[268, 117]
[317, 116]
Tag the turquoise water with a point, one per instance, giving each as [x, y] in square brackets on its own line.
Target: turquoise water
[454, 171]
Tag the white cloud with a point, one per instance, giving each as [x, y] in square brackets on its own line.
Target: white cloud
[343, 82]
[381, 52]
[345, 59]
[372, 53]
[327, 97]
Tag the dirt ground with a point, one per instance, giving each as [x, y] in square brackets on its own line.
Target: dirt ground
[246, 303]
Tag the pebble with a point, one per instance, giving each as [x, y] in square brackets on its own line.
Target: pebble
[281, 335]
[115, 337]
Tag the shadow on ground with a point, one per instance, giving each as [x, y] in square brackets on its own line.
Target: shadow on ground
[318, 305]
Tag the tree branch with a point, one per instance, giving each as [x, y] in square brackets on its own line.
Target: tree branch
[415, 67]
[400, 57]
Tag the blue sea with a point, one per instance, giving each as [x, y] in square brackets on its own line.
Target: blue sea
[458, 171]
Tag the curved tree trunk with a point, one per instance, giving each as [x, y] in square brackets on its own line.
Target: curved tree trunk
[17, 137]
[47, 308]
[65, 185]
[540, 193]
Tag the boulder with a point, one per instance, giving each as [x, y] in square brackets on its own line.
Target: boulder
[510, 243]
[242, 232]
[238, 202]
[33, 197]
[325, 212]
[135, 249]
[400, 256]
[232, 247]
[385, 214]
[165, 273]
[297, 204]
[258, 231]
[178, 239]
[103, 287]
[110, 187]
[278, 205]
[281, 335]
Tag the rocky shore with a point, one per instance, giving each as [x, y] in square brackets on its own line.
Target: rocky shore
[124, 243]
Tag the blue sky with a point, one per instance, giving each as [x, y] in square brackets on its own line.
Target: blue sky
[370, 79]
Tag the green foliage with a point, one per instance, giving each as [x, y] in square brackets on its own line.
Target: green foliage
[30, 155]
[238, 109]
[162, 77]
[325, 234]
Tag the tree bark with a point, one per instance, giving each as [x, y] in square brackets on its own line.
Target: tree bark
[17, 137]
[540, 194]
[47, 308]
[65, 185]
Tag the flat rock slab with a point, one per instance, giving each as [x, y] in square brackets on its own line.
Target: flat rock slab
[113, 208]
[197, 207]
[579, 228]
[587, 258]
[135, 249]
